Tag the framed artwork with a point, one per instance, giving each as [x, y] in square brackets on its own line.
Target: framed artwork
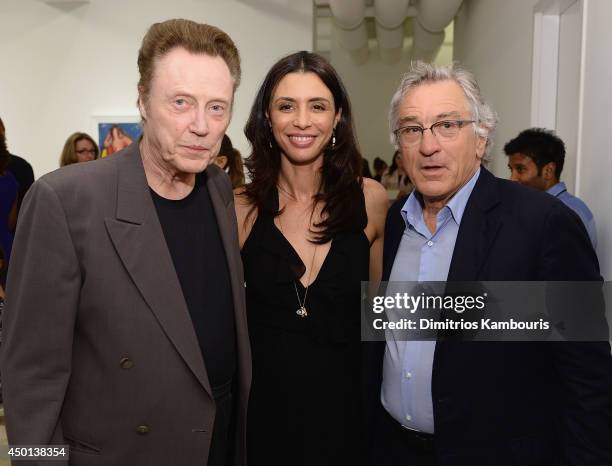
[116, 132]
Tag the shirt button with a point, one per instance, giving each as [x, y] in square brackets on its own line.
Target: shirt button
[430, 243]
[126, 363]
[408, 375]
[143, 430]
[408, 417]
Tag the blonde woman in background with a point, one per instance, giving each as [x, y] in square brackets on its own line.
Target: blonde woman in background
[79, 147]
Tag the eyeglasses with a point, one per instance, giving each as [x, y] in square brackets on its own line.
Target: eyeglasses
[445, 130]
[87, 151]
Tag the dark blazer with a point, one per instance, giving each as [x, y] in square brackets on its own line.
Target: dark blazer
[514, 403]
[99, 348]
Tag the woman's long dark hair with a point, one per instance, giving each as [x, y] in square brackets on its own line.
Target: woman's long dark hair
[340, 190]
[234, 162]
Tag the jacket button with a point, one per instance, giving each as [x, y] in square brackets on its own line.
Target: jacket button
[143, 430]
[126, 363]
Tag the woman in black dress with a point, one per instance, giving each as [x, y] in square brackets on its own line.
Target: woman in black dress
[310, 231]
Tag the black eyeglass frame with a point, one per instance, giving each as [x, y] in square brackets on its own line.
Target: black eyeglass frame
[460, 124]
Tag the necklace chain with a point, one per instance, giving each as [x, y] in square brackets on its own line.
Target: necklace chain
[302, 312]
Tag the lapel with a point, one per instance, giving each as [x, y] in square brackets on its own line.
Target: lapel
[394, 229]
[224, 212]
[140, 243]
[479, 226]
[226, 221]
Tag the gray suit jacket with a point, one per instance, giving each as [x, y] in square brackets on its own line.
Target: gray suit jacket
[99, 349]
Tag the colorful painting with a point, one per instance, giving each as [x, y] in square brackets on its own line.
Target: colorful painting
[116, 133]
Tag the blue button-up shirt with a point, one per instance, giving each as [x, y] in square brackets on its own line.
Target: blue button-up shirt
[560, 191]
[423, 257]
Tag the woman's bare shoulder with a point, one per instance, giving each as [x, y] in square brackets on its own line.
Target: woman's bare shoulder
[375, 194]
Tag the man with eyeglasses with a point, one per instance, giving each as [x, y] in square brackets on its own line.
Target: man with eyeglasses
[449, 402]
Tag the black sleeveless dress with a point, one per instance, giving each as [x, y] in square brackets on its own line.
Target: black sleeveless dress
[306, 398]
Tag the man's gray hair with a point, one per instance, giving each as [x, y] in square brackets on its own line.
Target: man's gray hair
[422, 73]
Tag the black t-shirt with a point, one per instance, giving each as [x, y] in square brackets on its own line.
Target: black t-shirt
[193, 238]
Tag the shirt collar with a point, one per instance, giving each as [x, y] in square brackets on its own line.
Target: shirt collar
[557, 189]
[412, 211]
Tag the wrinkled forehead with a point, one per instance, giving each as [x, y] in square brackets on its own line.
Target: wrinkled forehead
[182, 70]
[433, 101]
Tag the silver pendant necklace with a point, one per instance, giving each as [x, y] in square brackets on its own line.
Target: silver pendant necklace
[301, 311]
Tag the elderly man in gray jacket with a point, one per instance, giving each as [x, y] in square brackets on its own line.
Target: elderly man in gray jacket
[125, 329]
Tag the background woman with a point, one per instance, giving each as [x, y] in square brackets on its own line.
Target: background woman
[79, 147]
[311, 229]
[230, 160]
[396, 178]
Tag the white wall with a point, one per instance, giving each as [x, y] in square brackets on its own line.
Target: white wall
[371, 86]
[494, 39]
[595, 163]
[567, 117]
[61, 64]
